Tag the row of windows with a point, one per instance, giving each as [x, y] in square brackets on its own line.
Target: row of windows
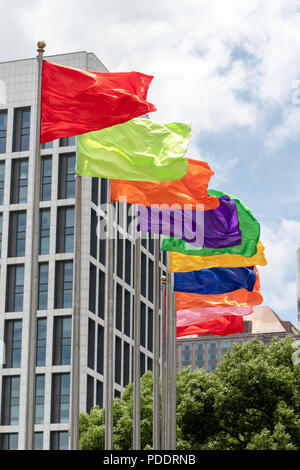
[61, 350]
[63, 286]
[59, 440]
[19, 178]
[21, 132]
[64, 231]
[211, 354]
[60, 399]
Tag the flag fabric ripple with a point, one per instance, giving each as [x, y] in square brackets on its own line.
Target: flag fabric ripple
[215, 280]
[184, 263]
[137, 150]
[249, 227]
[215, 228]
[77, 101]
[191, 189]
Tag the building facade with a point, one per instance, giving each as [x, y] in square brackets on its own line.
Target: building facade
[18, 81]
[207, 351]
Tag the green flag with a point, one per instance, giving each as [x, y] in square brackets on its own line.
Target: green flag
[137, 150]
[249, 227]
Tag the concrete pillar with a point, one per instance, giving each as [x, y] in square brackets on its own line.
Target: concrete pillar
[298, 285]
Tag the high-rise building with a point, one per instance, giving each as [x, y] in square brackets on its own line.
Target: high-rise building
[206, 351]
[18, 80]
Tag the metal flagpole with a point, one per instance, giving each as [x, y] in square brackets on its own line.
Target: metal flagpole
[29, 430]
[163, 364]
[156, 341]
[75, 385]
[137, 344]
[109, 328]
[168, 362]
[173, 375]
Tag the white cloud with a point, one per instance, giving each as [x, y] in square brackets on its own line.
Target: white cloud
[206, 56]
[278, 284]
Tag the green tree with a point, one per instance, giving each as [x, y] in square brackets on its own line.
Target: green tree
[252, 401]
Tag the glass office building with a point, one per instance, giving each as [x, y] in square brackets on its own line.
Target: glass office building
[56, 272]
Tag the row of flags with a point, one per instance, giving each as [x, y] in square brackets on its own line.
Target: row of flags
[212, 238]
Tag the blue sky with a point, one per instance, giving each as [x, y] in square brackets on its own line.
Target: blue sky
[231, 68]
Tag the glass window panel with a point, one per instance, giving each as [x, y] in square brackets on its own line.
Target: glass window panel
[2, 176]
[41, 342]
[44, 231]
[3, 130]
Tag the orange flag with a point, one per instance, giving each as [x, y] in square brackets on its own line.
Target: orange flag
[236, 298]
[191, 189]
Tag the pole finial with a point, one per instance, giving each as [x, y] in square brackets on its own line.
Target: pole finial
[163, 279]
[41, 46]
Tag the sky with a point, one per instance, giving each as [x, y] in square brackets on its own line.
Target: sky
[231, 68]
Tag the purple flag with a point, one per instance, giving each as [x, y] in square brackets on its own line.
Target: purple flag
[214, 228]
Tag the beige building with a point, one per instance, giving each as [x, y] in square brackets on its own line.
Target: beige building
[206, 351]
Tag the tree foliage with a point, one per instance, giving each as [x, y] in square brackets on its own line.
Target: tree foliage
[252, 401]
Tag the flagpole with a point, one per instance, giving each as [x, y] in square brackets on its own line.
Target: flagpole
[173, 375]
[109, 328]
[163, 364]
[75, 384]
[29, 419]
[169, 362]
[137, 345]
[156, 341]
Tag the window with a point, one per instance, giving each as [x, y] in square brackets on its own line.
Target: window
[62, 340]
[17, 234]
[103, 191]
[127, 313]
[14, 288]
[89, 393]
[60, 398]
[10, 400]
[21, 129]
[119, 309]
[2, 177]
[118, 346]
[95, 187]
[91, 344]
[225, 346]
[99, 393]
[43, 287]
[46, 178]
[41, 342]
[92, 289]
[199, 356]
[39, 398]
[1, 217]
[19, 181]
[101, 295]
[120, 256]
[63, 284]
[128, 263]
[44, 231]
[38, 441]
[212, 354]
[47, 145]
[13, 342]
[66, 176]
[3, 130]
[93, 234]
[59, 440]
[186, 355]
[150, 329]
[100, 349]
[126, 362]
[143, 274]
[65, 230]
[67, 141]
[9, 441]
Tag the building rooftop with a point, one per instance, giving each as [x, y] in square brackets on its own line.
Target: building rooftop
[265, 320]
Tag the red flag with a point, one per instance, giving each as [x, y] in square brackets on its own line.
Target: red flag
[221, 326]
[76, 101]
